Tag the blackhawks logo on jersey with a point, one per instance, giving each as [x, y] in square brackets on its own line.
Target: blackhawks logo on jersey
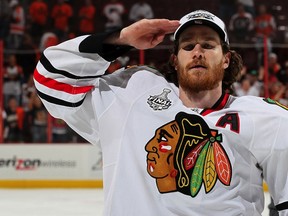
[185, 154]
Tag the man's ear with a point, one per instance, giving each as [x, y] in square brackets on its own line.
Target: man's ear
[227, 58]
[174, 61]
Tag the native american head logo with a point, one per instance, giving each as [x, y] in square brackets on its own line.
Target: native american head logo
[184, 154]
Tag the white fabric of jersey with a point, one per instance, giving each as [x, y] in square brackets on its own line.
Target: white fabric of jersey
[114, 111]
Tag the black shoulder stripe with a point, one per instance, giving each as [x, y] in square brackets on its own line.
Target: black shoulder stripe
[95, 43]
[282, 206]
[49, 67]
[58, 101]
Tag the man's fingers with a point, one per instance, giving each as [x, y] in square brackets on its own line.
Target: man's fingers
[157, 40]
[167, 26]
[147, 33]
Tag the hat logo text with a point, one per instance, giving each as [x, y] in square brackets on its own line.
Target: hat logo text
[200, 15]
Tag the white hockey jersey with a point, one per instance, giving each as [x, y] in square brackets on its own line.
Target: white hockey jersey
[160, 157]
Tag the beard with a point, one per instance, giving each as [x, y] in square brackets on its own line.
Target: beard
[198, 81]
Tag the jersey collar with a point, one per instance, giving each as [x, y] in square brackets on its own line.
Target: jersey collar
[220, 104]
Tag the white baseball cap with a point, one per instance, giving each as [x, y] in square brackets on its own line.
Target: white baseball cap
[202, 17]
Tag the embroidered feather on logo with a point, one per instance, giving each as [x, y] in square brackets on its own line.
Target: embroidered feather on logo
[209, 162]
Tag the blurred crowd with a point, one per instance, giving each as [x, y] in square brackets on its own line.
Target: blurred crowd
[28, 27]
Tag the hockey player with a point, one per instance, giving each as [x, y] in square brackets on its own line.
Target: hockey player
[184, 149]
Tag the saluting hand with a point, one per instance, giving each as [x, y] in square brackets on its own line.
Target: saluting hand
[147, 33]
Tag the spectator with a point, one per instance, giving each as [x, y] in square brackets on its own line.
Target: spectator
[5, 14]
[276, 90]
[27, 89]
[113, 12]
[274, 67]
[87, 18]
[226, 9]
[115, 65]
[61, 14]
[49, 38]
[38, 118]
[28, 56]
[140, 10]
[17, 25]
[283, 73]
[38, 15]
[13, 74]
[241, 25]
[284, 100]
[13, 121]
[60, 131]
[250, 84]
[265, 27]
[118, 63]
[248, 6]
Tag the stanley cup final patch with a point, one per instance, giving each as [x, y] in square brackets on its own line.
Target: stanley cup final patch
[161, 101]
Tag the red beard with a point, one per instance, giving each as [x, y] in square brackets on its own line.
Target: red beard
[198, 81]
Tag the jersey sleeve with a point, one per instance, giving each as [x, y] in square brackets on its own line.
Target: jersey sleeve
[276, 167]
[270, 146]
[67, 74]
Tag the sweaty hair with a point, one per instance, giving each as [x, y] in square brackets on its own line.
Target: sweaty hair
[231, 74]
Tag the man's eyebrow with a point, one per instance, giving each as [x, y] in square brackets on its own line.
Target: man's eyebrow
[186, 38]
[206, 37]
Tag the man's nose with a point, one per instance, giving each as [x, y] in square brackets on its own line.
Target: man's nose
[198, 51]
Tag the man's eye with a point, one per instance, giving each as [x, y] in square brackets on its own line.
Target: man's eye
[188, 47]
[207, 46]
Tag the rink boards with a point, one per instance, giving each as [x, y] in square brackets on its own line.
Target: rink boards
[52, 166]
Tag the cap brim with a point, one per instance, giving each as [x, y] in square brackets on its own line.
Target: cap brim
[200, 22]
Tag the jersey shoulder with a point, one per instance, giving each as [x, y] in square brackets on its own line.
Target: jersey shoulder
[135, 77]
[259, 105]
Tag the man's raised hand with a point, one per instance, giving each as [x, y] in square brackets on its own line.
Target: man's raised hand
[147, 33]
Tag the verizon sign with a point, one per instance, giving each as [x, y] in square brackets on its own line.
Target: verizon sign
[50, 161]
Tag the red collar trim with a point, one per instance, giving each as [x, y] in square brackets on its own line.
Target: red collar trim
[220, 104]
